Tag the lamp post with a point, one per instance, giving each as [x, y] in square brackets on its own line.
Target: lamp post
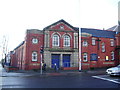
[41, 53]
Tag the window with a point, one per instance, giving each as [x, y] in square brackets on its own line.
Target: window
[76, 42]
[112, 42]
[61, 27]
[34, 56]
[85, 43]
[103, 47]
[66, 40]
[93, 41]
[106, 58]
[112, 55]
[34, 40]
[85, 57]
[55, 40]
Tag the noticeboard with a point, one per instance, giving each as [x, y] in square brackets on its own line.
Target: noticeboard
[93, 57]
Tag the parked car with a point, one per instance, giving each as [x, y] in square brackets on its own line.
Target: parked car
[114, 71]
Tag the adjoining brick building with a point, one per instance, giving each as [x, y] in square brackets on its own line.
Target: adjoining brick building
[60, 42]
[98, 48]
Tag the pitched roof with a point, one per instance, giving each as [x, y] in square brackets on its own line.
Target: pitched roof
[115, 28]
[19, 45]
[74, 28]
[99, 33]
[112, 28]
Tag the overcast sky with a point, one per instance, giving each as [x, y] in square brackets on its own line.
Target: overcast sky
[16, 16]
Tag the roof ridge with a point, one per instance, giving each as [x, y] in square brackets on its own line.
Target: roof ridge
[61, 20]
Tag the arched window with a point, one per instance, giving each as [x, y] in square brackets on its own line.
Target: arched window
[112, 42]
[85, 57]
[112, 55]
[55, 40]
[103, 47]
[67, 40]
[34, 56]
[93, 41]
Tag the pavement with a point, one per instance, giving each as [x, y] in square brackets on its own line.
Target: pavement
[38, 73]
[0, 79]
[31, 73]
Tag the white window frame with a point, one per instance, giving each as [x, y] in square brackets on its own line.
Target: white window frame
[93, 41]
[85, 57]
[112, 55]
[34, 40]
[55, 40]
[85, 43]
[67, 41]
[34, 56]
[111, 42]
[103, 47]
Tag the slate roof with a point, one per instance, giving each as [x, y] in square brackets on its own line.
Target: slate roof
[112, 28]
[19, 45]
[99, 33]
[75, 28]
[115, 28]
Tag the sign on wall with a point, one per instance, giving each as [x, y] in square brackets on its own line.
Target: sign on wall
[93, 57]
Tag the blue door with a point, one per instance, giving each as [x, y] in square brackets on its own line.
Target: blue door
[55, 59]
[66, 60]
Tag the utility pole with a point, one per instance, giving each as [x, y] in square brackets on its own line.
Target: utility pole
[79, 36]
[41, 53]
[80, 50]
[41, 64]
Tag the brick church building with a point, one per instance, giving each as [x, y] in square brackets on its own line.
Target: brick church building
[60, 44]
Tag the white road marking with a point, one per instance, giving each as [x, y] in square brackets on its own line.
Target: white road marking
[106, 79]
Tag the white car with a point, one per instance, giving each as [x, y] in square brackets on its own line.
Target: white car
[113, 71]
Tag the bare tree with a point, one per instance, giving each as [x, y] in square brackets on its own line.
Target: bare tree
[4, 47]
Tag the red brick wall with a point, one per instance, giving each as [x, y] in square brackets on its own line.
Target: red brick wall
[57, 27]
[30, 47]
[117, 49]
[94, 49]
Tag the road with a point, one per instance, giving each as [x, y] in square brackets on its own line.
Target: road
[61, 80]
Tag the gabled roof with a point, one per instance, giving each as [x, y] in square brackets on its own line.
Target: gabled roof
[74, 28]
[99, 33]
